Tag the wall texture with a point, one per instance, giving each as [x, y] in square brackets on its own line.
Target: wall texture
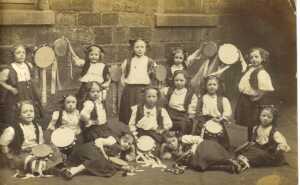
[265, 23]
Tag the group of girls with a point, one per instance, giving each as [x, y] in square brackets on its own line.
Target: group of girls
[175, 117]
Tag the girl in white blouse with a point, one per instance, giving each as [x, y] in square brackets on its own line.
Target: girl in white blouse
[149, 118]
[137, 73]
[213, 107]
[267, 144]
[254, 85]
[93, 70]
[93, 113]
[181, 103]
[68, 116]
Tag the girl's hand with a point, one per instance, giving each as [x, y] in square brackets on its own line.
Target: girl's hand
[166, 156]
[14, 91]
[282, 147]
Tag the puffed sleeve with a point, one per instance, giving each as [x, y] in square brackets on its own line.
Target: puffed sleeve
[131, 124]
[191, 139]
[110, 140]
[167, 122]
[78, 61]
[264, 81]
[193, 105]
[54, 119]
[280, 139]
[7, 136]
[86, 111]
[227, 113]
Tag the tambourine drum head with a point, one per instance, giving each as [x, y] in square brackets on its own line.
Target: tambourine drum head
[60, 47]
[160, 73]
[210, 49]
[213, 127]
[115, 73]
[44, 57]
[62, 137]
[145, 143]
[41, 150]
[228, 54]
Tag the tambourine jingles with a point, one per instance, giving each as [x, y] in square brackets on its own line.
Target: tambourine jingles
[41, 151]
[145, 143]
[160, 73]
[63, 137]
[210, 49]
[213, 128]
[115, 73]
[60, 46]
[228, 54]
[44, 57]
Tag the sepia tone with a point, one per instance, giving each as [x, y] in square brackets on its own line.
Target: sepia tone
[166, 24]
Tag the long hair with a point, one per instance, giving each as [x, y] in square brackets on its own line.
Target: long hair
[273, 110]
[174, 52]
[186, 76]
[63, 100]
[265, 55]
[19, 109]
[221, 86]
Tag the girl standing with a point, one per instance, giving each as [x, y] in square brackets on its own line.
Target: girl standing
[136, 75]
[93, 70]
[213, 107]
[267, 145]
[68, 116]
[181, 103]
[254, 85]
[93, 113]
[21, 84]
[149, 118]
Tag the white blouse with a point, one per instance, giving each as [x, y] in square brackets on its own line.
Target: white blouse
[22, 70]
[176, 68]
[94, 73]
[264, 82]
[192, 140]
[29, 136]
[210, 106]
[69, 120]
[177, 100]
[138, 72]
[88, 107]
[263, 134]
[149, 121]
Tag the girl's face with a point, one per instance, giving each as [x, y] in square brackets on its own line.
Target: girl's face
[212, 86]
[27, 113]
[126, 143]
[4, 75]
[139, 48]
[255, 58]
[266, 117]
[20, 54]
[151, 97]
[70, 103]
[179, 81]
[172, 143]
[94, 55]
[95, 91]
[178, 58]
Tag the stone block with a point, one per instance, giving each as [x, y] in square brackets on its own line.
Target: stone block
[5, 55]
[110, 19]
[65, 19]
[156, 51]
[128, 5]
[111, 53]
[89, 19]
[182, 6]
[102, 5]
[82, 5]
[76, 33]
[33, 17]
[103, 35]
[135, 19]
[172, 35]
[124, 51]
[60, 5]
[120, 35]
[140, 32]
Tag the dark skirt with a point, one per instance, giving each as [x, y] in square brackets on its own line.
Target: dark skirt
[208, 153]
[131, 95]
[93, 160]
[259, 157]
[159, 139]
[181, 121]
[95, 131]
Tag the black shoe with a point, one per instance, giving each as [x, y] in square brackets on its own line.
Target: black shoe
[66, 174]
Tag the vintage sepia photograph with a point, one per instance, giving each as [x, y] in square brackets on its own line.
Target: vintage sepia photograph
[143, 92]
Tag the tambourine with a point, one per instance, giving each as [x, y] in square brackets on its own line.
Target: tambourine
[213, 128]
[115, 73]
[44, 57]
[145, 143]
[210, 49]
[63, 137]
[41, 151]
[160, 73]
[60, 46]
[228, 54]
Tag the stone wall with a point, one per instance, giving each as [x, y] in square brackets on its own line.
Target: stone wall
[269, 24]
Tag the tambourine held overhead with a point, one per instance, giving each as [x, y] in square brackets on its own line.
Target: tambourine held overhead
[44, 57]
[160, 73]
[60, 46]
[228, 54]
[210, 49]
